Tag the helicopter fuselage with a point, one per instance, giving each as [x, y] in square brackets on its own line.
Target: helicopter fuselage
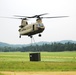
[32, 29]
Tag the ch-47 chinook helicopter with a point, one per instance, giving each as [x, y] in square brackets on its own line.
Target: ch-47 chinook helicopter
[34, 28]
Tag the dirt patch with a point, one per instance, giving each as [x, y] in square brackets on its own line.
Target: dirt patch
[39, 73]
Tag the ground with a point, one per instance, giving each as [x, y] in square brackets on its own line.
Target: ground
[40, 73]
[52, 63]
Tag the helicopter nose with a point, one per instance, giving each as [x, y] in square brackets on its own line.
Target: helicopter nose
[41, 28]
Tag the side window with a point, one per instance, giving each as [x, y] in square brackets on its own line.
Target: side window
[33, 27]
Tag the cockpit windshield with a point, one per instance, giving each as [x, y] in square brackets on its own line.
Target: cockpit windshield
[40, 25]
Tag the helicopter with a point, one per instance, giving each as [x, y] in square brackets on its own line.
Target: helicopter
[33, 28]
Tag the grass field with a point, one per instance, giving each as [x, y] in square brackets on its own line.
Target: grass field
[50, 61]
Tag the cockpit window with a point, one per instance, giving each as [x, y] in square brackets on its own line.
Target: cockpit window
[40, 25]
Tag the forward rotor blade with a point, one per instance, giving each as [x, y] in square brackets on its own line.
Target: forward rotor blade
[31, 16]
[43, 14]
[38, 15]
[56, 17]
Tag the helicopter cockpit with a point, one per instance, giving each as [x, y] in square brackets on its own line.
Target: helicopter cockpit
[40, 25]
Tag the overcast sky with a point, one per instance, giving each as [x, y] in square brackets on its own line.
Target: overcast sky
[56, 29]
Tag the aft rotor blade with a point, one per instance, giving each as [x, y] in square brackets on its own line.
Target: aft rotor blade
[10, 17]
[56, 17]
[22, 16]
[31, 16]
[19, 16]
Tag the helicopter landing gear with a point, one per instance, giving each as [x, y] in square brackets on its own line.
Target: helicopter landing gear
[31, 36]
[39, 35]
[20, 36]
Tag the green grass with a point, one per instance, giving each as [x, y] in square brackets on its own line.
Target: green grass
[59, 56]
[50, 61]
[37, 66]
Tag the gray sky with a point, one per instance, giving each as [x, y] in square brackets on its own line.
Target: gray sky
[56, 29]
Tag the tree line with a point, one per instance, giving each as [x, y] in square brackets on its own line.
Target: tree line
[54, 47]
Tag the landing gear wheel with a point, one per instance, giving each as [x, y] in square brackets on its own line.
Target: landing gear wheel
[39, 35]
[20, 36]
[30, 36]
